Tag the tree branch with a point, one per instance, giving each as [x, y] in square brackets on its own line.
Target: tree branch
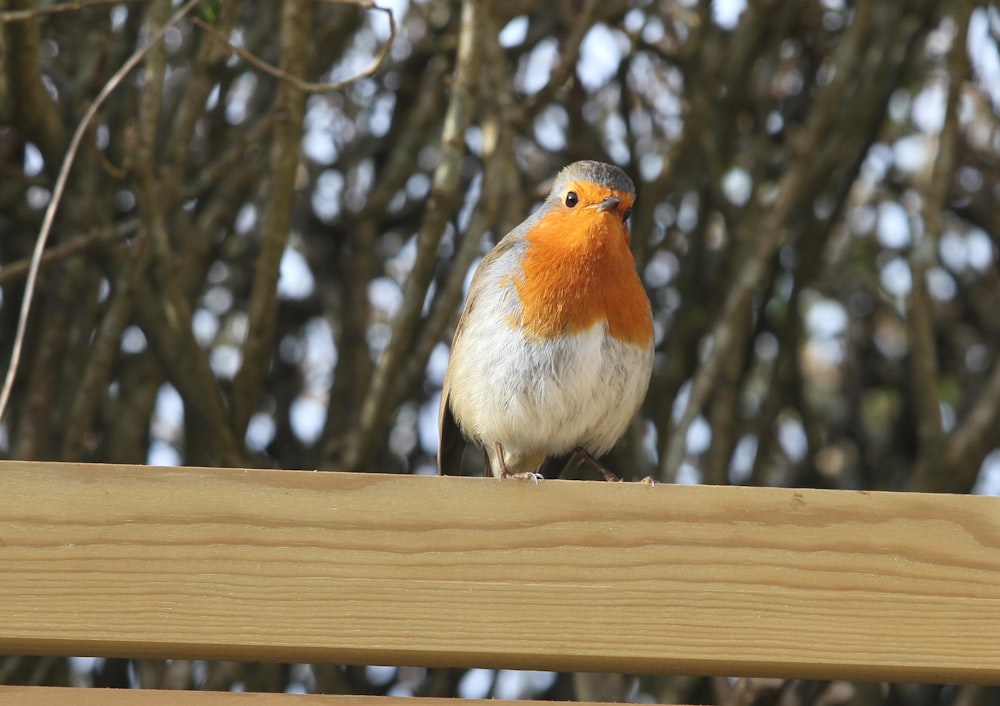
[69, 6]
[18, 270]
[444, 195]
[60, 187]
[35, 112]
[929, 474]
[795, 191]
[298, 83]
[289, 109]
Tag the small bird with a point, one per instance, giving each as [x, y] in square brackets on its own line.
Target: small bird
[553, 352]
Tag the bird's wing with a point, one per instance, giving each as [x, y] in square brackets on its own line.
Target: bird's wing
[451, 445]
[451, 441]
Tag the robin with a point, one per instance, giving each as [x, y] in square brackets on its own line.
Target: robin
[553, 352]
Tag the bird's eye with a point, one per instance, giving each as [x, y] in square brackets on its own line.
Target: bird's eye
[572, 199]
[628, 212]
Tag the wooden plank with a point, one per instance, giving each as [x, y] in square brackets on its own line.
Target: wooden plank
[61, 696]
[581, 576]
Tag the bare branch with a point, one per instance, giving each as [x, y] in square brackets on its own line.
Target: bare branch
[24, 15]
[289, 108]
[817, 157]
[60, 187]
[33, 107]
[444, 192]
[929, 474]
[97, 238]
[298, 83]
[567, 64]
[971, 440]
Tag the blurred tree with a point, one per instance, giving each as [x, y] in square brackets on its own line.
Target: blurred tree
[263, 240]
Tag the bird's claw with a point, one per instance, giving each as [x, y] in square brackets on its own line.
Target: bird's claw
[527, 475]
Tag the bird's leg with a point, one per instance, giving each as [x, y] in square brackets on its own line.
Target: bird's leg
[608, 475]
[585, 455]
[505, 473]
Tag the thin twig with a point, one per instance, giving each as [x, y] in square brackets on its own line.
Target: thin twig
[377, 407]
[283, 162]
[24, 15]
[308, 86]
[795, 188]
[562, 73]
[18, 270]
[930, 475]
[60, 187]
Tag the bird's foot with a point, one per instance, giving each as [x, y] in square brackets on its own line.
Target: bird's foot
[505, 473]
[608, 475]
[648, 480]
[527, 475]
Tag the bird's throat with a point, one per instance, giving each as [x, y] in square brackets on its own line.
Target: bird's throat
[579, 277]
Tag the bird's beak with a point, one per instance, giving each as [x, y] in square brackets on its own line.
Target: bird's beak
[608, 204]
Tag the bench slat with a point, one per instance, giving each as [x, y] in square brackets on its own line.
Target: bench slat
[575, 576]
[61, 696]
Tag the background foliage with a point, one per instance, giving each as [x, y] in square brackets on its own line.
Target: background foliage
[263, 241]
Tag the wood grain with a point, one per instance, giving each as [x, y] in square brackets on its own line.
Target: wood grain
[62, 696]
[583, 576]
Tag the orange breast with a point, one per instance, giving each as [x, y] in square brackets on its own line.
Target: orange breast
[577, 272]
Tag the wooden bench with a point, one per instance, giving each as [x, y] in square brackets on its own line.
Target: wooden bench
[291, 566]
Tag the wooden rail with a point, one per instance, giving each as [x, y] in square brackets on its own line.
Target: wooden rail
[66, 696]
[134, 561]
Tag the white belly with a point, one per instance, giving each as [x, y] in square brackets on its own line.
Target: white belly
[549, 397]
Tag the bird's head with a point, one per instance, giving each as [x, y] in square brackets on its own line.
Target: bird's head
[589, 197]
